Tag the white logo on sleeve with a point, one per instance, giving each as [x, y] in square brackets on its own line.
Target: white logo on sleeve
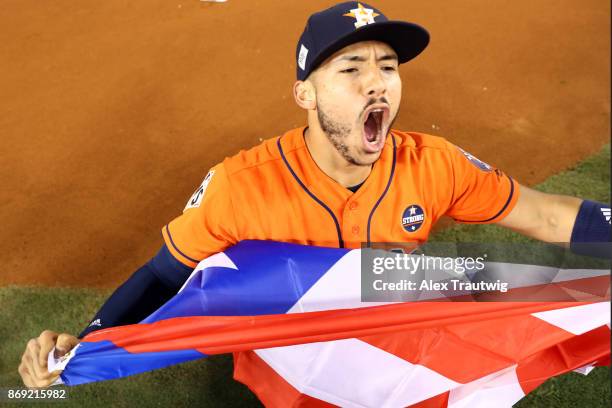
[196, 198]
[96, 323]
[606, 214]
[302, 57]
[475, 161]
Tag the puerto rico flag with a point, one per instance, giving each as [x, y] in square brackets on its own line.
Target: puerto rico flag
[294, 318]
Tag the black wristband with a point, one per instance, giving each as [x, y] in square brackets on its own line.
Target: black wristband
[591, 232]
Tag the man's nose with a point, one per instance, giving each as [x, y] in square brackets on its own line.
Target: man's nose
[373, 83]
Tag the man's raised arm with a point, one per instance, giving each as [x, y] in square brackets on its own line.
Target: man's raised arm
[561, 219]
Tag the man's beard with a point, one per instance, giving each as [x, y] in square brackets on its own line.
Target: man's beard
[337, 132]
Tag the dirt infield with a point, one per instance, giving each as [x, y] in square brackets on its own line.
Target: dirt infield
[112, 112]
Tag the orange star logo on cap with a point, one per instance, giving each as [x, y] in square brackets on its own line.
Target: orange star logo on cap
[364, 16]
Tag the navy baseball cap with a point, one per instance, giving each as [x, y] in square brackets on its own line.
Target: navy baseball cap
[346, 23]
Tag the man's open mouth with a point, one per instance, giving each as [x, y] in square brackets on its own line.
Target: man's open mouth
[374, 129]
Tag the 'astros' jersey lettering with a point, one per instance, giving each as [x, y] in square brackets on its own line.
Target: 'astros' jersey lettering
[275, 191]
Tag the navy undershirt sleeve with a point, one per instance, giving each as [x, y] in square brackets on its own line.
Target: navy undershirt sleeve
[145, 291]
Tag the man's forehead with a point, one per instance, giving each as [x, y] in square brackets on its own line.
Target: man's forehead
[363, 48]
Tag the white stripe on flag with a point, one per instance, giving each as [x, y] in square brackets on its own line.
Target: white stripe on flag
[352, 373]
[585, 370]
[339, 288]
[571, 274]
[500, 389]
[578, 319]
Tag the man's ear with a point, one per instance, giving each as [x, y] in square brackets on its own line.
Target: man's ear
[305, 94]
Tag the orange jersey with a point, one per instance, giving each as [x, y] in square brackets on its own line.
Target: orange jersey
[275, 191]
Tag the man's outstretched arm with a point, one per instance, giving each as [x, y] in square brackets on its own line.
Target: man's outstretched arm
[559, 219]
[145, 291]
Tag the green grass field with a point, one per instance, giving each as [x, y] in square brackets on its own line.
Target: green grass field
[26, 311]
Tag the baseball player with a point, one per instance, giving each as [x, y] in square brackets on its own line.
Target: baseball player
[346, 178]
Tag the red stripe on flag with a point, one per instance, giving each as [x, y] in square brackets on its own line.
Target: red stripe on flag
[224, 334]
[467, 352]
[573, 353]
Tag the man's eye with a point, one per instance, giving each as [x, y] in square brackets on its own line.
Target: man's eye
[388, 68]
[349, 70]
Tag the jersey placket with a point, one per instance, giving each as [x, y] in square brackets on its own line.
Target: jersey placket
[361, 204]
[353, 223]
[350, 211]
